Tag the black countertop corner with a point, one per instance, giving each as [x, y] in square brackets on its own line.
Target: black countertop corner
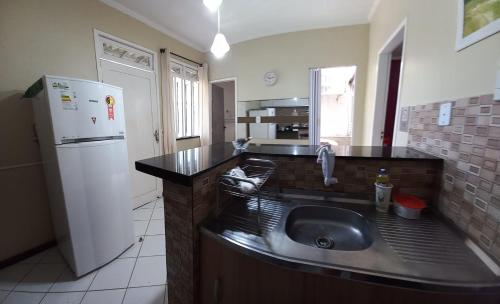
[182, 166]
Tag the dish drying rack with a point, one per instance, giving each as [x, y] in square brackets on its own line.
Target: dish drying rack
[253, 167]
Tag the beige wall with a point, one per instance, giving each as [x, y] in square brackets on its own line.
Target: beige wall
[188, 143]
[433, 70]
[291, 55]
[47, 37]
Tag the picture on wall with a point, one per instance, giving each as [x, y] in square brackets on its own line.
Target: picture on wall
[477, 19]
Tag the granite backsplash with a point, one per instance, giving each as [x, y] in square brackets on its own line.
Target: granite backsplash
[470, 147]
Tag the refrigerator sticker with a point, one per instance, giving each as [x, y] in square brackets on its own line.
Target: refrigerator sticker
[68, 98]
[68, 101]
[110, 102]
[60, 85]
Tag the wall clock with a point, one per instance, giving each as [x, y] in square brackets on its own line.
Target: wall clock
[270, 78]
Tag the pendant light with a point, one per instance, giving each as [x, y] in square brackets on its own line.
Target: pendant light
[212, 5]
[220, 46]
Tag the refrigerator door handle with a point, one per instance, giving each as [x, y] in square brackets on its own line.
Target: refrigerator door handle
[89, 144]
[156, 134]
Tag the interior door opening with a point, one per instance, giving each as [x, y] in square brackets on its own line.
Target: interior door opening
[390, 66]
[392, 96]
[337, 105]
[223, 111]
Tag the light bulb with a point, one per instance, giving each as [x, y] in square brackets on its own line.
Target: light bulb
[212, 5]
[220, 46]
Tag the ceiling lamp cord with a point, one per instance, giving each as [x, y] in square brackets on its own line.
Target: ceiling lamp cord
[218, 20]
[220, 46]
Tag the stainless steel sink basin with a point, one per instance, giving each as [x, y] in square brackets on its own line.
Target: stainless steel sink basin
[328, 228]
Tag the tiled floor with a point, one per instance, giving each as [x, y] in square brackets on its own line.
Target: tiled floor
[138, 276]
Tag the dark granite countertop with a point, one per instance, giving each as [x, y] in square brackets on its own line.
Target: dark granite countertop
[184, 165]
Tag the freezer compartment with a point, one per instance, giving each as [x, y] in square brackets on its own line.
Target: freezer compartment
[96, 188]
[83, 109]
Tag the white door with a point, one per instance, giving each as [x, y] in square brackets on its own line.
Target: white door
[140, 97]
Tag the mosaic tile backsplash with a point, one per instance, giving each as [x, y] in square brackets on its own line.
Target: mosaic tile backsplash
[470, 146]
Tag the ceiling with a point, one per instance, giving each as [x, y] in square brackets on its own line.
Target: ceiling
[191, 22]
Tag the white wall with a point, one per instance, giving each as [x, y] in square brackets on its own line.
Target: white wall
[291, 55]
[47, 37]
[433, 70]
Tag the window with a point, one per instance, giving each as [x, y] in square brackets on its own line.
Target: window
[185, 95]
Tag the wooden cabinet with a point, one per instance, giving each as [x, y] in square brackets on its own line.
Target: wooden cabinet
[229, 277]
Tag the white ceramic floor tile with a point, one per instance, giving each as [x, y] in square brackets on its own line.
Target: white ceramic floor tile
[156, 227]
[153, 245]
[63, 298]
[114, 296]
[133, 251]
[24, 298]
[166, 294]
[41, 278]
[3, 295]
[149, 205]
[10, 276]
[159, 204]
[68, 282]
[52, 258]
[145, 295]
[149, 271]
[158, 214]
[114, 275]
[140, 227]
[142, 214]
[53, 251]
[34, 259]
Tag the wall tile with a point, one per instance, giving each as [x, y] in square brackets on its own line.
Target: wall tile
[470, 191]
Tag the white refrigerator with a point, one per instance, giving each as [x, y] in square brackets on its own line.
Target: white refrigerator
[262, 130]
[81, 129]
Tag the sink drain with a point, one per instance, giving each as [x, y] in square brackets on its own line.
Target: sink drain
[324, 242]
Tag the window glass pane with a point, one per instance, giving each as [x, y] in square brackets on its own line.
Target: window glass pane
[180, 106]
[196, 109]
[189, 108]
[185, 97]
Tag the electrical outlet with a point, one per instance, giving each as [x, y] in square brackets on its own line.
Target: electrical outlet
[444, 114]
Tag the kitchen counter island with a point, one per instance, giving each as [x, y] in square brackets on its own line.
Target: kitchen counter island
[190, 181]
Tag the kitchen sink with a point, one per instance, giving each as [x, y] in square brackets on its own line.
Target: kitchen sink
[329, 228]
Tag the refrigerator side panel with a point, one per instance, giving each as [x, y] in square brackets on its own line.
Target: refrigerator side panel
[96, 187]
[43, 126]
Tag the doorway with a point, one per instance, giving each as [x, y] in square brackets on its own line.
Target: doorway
[337, 105]
[223, 110]
[132, 68]
[388, 90]
[392, 96]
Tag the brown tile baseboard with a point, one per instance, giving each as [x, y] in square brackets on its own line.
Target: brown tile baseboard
[26, 254]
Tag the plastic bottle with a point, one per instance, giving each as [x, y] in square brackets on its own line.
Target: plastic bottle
[382, 178]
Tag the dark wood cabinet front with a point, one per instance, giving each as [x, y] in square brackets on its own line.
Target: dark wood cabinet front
[229, 277]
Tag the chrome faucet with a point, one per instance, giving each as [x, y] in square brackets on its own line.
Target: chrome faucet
[326, 157]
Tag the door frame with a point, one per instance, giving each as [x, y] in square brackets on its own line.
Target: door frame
[354, 96]
[155, 68]
[397, 38]
[235, 79]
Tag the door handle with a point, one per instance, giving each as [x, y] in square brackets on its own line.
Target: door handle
[156, 134]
